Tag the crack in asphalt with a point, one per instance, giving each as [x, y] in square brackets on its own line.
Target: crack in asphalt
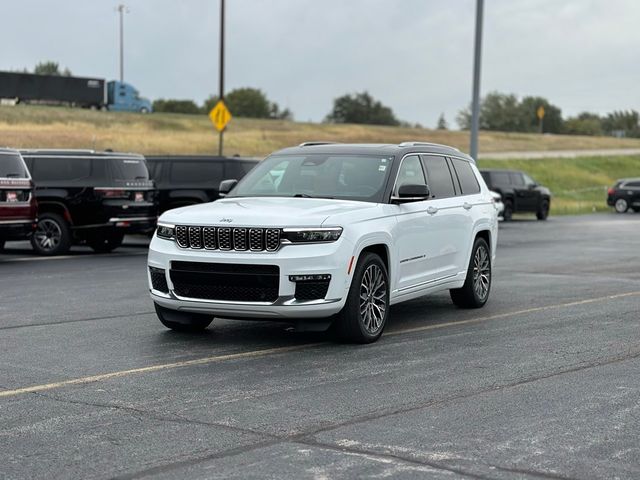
[89, 319]
[307, 437]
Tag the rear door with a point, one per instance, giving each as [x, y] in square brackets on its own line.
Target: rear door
[448, 218]
[633, 190]
[468, 200]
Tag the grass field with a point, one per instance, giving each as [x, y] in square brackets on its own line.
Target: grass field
[59, 127]
[578, 184]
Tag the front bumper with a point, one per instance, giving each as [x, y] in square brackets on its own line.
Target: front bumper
[16, 229]
[330, 258]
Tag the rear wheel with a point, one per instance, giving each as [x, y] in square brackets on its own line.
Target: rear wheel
[52, 235]
[508, 210]
[365, 313]
[183, 321]
[106, 243]
[475, 291]
[621, 205]
[543, 210]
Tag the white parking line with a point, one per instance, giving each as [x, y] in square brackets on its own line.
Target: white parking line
[277, 350]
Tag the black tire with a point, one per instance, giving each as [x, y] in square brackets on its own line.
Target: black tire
[183, 321]
[543, 210]
[52, 235]
[1, 245]
[507, 215]
[352, 324]
[471, 295]
[106, 243]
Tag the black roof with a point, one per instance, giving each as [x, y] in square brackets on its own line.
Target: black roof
[400, 149]
[198, 158]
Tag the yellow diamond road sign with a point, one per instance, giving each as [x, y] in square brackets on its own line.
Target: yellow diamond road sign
[220, 116]
[540, 112]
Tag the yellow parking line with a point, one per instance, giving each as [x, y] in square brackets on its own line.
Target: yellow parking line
[277, 350]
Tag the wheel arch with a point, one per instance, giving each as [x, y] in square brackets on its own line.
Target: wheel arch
[52, 206]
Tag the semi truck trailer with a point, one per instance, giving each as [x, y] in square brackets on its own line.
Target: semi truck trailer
[73, 91]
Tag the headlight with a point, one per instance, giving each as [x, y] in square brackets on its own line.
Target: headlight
[312, 235]
[165, 231]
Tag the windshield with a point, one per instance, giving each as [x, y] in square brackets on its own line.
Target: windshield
[347, 177]
[12, 166]
[128, 169]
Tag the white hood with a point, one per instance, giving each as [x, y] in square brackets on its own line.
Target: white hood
[263, 212]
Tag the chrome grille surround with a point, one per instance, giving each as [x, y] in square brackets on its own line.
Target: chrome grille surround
[239, 239]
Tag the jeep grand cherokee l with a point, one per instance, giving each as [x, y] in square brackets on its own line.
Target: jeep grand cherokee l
[324, 233]
[17, 203]
[89, 197]
[520, 193]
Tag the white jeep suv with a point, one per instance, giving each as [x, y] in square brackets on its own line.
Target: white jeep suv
[324, 234]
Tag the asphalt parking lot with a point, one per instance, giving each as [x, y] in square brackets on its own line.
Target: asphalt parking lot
[541, 383]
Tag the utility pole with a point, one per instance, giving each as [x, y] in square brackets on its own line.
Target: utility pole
[122, 9]
[475, 104]
[221, 70]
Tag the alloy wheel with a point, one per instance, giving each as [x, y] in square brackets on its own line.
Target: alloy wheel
[373, 299]
[48, 234]
[481, 272]
[621, 205]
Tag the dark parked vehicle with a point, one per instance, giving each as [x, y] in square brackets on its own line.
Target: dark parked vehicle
[520, 193]
[17, 202]
[625, 194]
[89, 197]
[187, 180]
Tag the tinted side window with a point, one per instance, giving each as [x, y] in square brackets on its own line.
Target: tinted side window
[500, 178]
[60, 169]
[410, 173]
[468, 181]
[633, 184]
[196, 172]
[439, 177]
[517, 179]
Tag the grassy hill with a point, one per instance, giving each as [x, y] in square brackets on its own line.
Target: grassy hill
[55, 127]
[579, 184]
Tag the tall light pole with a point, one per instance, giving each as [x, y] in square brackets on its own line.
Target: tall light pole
[122, 9]
[475, 103]
[221, 69]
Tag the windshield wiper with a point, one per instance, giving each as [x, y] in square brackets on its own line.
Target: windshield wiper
[13, 175]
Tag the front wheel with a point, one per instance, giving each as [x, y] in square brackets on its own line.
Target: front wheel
[365, 313]
[543, 210]
[621, 205]
[52, 235]
[183, 321]
[475, 291]
[507, 214]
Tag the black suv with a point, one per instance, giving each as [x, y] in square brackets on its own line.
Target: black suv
[187, 180]
[625, 194]
[90, 197]
[520, 193]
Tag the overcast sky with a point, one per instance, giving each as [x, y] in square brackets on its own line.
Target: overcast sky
[413, 55]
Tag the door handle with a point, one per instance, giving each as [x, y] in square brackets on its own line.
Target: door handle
[467, 206]
[432, 210]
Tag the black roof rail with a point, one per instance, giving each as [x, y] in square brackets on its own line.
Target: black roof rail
[312, 144]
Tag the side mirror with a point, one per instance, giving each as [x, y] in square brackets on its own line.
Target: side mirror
[411, 193]
[532, 186]
[226, 186]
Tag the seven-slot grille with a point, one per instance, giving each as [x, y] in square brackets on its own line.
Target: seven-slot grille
[228, 238]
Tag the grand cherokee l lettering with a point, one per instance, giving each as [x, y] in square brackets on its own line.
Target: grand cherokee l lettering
[324, 234]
